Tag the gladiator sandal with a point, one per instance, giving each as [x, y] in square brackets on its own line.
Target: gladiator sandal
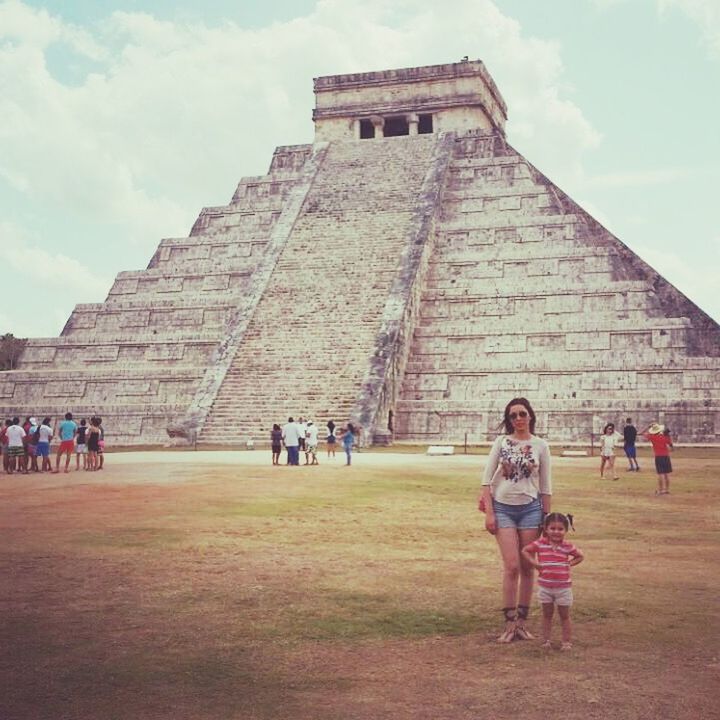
[508, 635]
[521, 632]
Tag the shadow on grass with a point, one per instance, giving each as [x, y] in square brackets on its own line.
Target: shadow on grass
[363, 616]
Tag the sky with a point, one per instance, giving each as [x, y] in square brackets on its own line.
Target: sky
[120, 121]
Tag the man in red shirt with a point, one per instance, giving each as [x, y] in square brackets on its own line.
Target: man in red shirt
[657, 435]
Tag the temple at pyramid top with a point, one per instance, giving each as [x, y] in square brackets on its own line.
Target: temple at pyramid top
[410, 101]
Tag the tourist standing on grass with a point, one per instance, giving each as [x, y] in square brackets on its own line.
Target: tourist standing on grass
[629, 437]
[661, 445]
[101, 445]
[31, 441]
[516, 492]
[553, 556]
[4, 444]
[348, 440]
[93, 444]
[291, 440]
[81, 445]
[66, 430]
[302, 432]
[276, 443]
[311, 443]
[331, 439]
[607, 451]
[43, 445]
[15, 446]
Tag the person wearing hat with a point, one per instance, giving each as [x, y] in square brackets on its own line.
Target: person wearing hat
[661, 444]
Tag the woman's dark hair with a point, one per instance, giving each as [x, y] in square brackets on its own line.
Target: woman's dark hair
[609, 425]
[566, 520]
[276, 426]
[351, 428]
[46, 421]
[507, 422]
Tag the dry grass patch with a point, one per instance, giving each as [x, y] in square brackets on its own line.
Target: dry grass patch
[201, 590]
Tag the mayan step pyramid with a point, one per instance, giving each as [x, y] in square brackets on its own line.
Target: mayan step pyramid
[409, 271]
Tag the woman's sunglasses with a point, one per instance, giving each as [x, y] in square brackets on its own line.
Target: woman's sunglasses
[516, 415]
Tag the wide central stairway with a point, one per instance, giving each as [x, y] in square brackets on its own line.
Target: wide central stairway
[306, 349]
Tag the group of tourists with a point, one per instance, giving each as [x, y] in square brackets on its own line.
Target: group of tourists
[302, 435]
[656, 434]
[516, 497]
[26, 446]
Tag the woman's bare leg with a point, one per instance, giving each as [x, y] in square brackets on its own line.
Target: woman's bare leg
[611, 467]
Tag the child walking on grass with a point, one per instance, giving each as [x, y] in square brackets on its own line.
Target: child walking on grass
[553, 556]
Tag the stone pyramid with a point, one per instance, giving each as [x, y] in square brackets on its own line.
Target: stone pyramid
[409, 271]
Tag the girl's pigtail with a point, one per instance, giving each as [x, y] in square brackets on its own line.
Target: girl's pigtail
[570, 520]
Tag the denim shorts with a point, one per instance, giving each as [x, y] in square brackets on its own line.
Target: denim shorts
[521, 517]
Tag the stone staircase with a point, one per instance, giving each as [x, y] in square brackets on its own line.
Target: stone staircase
[527, 295]
[307, 348]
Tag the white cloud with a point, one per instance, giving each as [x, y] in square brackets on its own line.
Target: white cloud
[20, 22]
[46, 270]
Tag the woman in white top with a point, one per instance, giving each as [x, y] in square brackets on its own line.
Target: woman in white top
[607, 450]
[516, 493]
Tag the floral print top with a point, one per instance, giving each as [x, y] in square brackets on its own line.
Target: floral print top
[518, 470]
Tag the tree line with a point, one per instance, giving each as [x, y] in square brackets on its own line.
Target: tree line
[10, 351]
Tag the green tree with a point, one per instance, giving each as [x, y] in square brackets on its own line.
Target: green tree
[10, 351]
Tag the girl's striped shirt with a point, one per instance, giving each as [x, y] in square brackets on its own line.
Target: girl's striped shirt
[554, 562]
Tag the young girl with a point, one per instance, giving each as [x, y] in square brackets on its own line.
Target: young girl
[607, 450]
[554, 557]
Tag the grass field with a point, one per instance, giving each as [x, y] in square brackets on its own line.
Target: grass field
[215, 586]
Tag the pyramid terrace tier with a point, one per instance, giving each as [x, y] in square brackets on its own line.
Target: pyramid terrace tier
[205, 313]
[146, 350]
[525, 354]
[124, 425]
[561, 420]
[17, 385]
[194, 285]
[180, 255]
[615, 382]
